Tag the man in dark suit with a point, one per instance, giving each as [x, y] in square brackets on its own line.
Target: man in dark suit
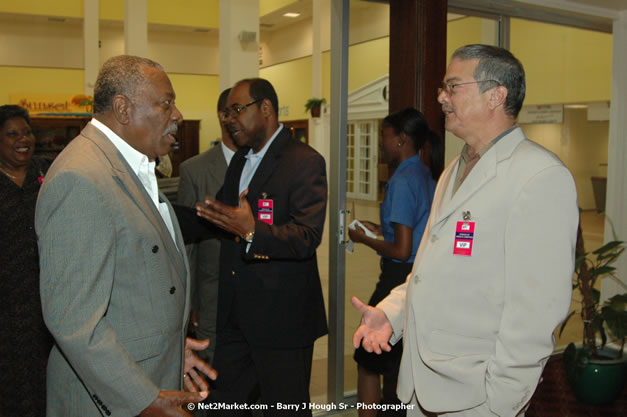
[270, 308]
[203, 175]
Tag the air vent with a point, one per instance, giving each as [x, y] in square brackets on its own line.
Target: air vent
[57, 19]
[266, 25]
[201, 30]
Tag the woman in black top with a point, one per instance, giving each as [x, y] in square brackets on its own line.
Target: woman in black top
[24, 340]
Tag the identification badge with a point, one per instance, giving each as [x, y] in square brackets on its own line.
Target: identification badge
[464, 234]
[264, 211]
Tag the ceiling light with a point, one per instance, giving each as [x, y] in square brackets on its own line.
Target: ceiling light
[291, 14]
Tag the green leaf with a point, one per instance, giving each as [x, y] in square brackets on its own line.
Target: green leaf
[610, 256]
[596, 296]
[602, 270]
[608, 247]
[615, 316]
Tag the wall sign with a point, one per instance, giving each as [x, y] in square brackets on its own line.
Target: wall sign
[546, 113]
[53, 104]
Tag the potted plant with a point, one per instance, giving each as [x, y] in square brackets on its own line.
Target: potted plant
[595, 372]
[313, 105]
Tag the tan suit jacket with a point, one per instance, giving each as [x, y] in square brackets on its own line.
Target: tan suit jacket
[114, 285]
[479, 328]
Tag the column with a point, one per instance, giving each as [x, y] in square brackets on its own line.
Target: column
[418, 57]
[136, 27]
[319, 127]
[239, 41]
[91, 55]
[616, 200]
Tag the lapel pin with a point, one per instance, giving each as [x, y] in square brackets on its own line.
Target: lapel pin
[264, 195]
[466, 215]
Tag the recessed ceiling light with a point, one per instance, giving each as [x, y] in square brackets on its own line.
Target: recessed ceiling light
[291, 14]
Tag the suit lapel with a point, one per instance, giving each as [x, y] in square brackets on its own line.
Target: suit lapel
[481, 174]
[268, 163]
[230, 189]
[130, 185]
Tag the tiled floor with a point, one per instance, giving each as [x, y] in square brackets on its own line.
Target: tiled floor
[362, 270]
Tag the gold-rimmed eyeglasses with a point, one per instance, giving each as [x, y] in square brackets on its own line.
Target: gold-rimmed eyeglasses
[236, 109]
[450, 88]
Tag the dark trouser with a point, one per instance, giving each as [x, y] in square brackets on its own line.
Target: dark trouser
[272, 376]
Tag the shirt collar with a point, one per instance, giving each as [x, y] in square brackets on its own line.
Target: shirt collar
[132, 156]
[228, 153]
[466, 156]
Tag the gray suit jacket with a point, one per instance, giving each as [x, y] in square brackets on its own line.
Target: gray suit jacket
[478, 329]
[200, 176]
[114, 285]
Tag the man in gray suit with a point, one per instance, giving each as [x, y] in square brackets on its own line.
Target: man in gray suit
[114, 276]
[203, 175]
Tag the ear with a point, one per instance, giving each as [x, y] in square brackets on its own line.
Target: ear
[266, 107]
[402, 139]
[121, 106]
[497, 97]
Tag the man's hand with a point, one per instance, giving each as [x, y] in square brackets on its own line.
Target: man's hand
[193, 365]
[169, 404]
[237, 220]
[375, 329]
[193, 318]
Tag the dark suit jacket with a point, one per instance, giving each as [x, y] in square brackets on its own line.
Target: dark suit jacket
[275, 283]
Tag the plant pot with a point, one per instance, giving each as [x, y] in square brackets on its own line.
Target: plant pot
[315, 111]
[599, 381]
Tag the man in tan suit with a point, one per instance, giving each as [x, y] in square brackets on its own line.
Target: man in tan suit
[114, 276]
[492, 277]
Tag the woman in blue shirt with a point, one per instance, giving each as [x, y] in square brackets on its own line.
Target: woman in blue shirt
[404, 213]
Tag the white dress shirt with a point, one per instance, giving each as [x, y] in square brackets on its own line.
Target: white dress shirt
[143, 168]
[228, 154]
[253, 160]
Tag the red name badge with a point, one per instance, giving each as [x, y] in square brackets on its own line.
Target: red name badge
[464, 234]
[264, 211]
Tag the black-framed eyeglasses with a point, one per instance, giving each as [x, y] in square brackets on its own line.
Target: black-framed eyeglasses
[449, 88]
[236, 109]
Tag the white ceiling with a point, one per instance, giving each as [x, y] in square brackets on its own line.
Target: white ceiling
[593, 14]
[616, 5]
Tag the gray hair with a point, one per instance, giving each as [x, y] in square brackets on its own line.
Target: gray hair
[500, 65]
[122, 74]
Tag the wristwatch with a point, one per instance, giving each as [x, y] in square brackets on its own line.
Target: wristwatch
[248, 237]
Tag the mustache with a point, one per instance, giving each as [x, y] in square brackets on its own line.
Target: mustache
[172, 129]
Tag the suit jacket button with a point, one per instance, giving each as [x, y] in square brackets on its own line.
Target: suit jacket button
[155, 249]
[237, 239]
[172, 290]
[233, 273]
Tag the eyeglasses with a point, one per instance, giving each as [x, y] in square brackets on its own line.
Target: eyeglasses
[236, 109]
[449, 88]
